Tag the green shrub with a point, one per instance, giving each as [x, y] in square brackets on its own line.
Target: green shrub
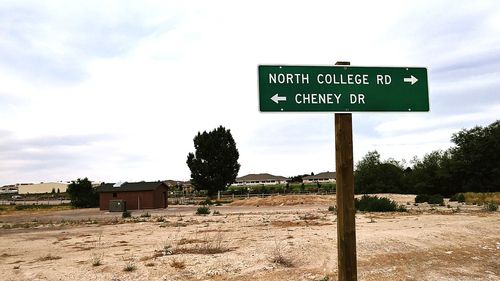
[206, 202]
[491, 207]
[126, 214]
[421, 198]
[458, 197]
[332, 208]
[436, 199]
[375, 204]
[203, 210]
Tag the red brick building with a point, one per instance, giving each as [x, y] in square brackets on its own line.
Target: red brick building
[138, 195]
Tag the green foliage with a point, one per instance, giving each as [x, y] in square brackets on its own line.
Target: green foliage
[214, 165]
[206, 202]
[37, 207]
[472, 165]
[374, 176]
[431, 199]
[82, 194]
[432, 174]
[461, 198]
[491, 207]
[476, 159]
[422, 198]
[332, 208]
[126, 214]
[204, 210]
[436, 199]
[375, 204]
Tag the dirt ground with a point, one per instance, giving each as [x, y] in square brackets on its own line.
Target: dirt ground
[279, 238]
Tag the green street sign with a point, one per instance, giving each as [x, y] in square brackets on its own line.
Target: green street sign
[342, 88]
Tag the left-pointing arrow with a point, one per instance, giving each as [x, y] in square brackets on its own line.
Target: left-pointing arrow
[277, 98]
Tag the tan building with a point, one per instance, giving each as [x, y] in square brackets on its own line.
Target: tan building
[259, 179]
[44, 187]
[320, 178]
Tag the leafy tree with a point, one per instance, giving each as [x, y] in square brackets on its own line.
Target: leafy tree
[374, 176]
[214, 165]
[476, 159]
[431, 175]
[82, 194]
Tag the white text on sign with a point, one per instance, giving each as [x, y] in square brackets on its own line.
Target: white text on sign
[329, 79]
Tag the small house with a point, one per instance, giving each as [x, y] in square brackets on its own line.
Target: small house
[136, 195]
[324, 177]
[260, 179]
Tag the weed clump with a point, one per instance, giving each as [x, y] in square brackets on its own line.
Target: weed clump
[178, 264]
[491, 207]
[204, 210]
[49, 257]
[278, 255]
[129, 267]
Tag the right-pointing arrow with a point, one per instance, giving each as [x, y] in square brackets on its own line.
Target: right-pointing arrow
[277, 98]
[411, 80]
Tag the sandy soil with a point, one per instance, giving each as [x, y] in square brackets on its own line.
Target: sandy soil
[279, 239]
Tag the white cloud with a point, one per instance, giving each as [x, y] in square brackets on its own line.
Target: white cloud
[153, 75]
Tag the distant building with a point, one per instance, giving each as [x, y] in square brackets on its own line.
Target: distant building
[8, 189]
[259, 179]
[137, 195]
[44, 187]
[320, 178]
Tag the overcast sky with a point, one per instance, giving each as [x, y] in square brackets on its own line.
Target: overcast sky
[116, 90]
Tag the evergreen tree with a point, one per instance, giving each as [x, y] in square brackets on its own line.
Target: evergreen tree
[214, 164]
[82, 194]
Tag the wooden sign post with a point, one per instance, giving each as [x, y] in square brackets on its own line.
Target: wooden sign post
[343, 88]
[346, 226]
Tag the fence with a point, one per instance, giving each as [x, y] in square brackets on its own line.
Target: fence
[185, 199]
[34, 202]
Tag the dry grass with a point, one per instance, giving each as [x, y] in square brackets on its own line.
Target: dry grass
[482, 198]
[129, 266]
[48, 257]
[210, 244]
[185, 241]
[302, 223]
[309, 216]
[178, 264]
[96, 260]
[278, 255]
[15, 209]
[98, 255]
